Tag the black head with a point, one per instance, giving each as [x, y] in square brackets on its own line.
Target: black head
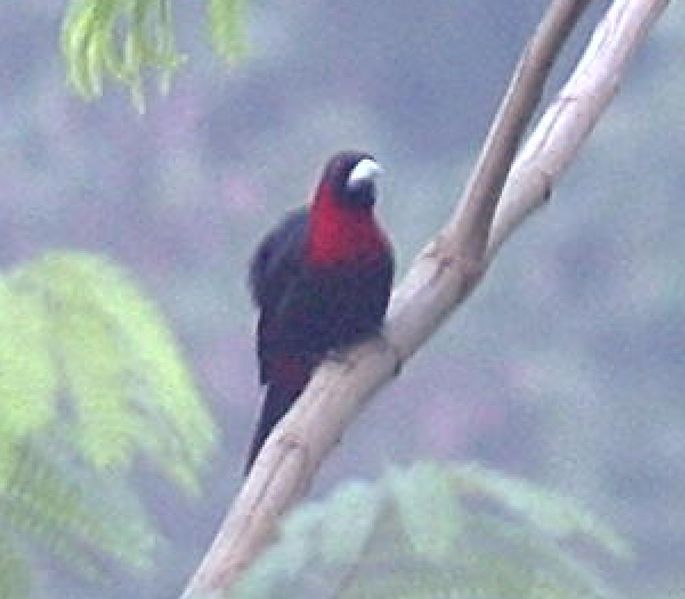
[351, 177]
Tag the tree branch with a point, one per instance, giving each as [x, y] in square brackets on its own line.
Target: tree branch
[570, 118]
[444, 272]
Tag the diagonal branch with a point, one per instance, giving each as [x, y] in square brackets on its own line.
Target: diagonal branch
[468, 229]
[443, 274]
[569, 120]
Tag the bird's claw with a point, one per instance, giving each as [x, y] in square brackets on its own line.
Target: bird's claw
[387, 345]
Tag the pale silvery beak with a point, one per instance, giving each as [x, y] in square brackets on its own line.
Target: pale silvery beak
[365, 171]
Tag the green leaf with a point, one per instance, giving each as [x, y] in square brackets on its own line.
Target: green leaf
[226, 26]
[356, 502]
[120, 365]
[420, 533]
[90, 379]
[15, 574]
[28, 376]
[48, 505]
[553, 514]
[422, 490]
[122, 39]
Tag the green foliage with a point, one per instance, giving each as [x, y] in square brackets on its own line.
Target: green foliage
[51, 505]
[28, 376]
[15, 575]
[97, 338]
[119, 39]
[432, 531]
[226, 27]
[90, 377]
[556, 516]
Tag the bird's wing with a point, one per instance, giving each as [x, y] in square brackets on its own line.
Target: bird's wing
[278, 259]
[379, 292]
[275, 280]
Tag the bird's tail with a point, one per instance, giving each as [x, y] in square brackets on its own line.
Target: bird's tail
[277, 402]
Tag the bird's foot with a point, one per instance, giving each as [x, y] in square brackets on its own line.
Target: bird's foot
[385, 345]
[338, 355]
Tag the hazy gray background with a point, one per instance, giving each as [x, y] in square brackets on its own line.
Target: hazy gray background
[565, 367]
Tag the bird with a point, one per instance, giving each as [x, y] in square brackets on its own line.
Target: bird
[321, 281]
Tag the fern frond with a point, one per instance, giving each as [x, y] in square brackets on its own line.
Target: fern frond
[118, 364]
[60, 512]
[226, 25]
[117, 39]
[121, 39]
[424, 535]
[16, 579]
[90, 378]
[28, 377]
[546, 510]
[422, 490]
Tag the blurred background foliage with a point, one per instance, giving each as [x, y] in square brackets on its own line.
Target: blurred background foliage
[566, 366]
[120, 39]
[90, 380]
[432, 530]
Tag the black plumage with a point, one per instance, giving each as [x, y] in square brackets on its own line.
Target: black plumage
[321, 281]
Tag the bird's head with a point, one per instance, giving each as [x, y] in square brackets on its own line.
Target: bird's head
[350, 176]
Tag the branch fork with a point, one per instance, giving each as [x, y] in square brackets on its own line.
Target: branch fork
[498, 197]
